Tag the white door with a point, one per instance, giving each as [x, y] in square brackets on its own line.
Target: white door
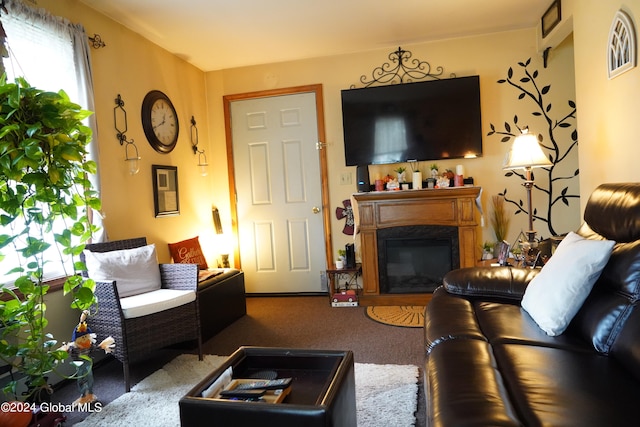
[279, 201]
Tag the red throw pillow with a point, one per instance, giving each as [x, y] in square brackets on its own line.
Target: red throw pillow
[188, 252]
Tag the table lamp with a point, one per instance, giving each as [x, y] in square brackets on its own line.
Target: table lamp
[527, 154]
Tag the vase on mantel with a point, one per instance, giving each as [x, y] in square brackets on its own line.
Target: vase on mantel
[417, 180]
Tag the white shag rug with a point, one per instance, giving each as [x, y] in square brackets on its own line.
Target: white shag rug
[386, 395]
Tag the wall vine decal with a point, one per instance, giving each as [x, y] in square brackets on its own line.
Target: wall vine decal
[531, 90]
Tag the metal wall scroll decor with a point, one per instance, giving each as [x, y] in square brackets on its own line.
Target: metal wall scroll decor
[401, 69]
[131, 155]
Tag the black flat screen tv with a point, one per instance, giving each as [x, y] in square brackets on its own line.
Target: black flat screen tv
[431, 120]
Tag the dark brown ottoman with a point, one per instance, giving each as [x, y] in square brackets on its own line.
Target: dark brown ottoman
[221, 301]
[322, 391]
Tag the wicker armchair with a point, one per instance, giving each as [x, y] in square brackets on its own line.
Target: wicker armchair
[136, 338]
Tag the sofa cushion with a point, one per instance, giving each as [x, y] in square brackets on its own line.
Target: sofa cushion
[559, 387]
[135, 270]
[188, 252]
[556, 294]
[503, 283]
[465, 387]
[448, 317]
[613, 211]
[510, 323]
[615, 294]
[154, 302]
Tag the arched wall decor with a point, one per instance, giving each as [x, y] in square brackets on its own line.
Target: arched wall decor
[621, 49]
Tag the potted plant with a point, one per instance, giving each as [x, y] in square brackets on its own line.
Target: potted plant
[400, 170]
[434, 170]
[43, 181]
[487, 250]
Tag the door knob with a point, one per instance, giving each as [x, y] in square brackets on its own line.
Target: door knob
[315, 210]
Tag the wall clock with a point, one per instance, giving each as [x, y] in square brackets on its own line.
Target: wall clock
[160, 121]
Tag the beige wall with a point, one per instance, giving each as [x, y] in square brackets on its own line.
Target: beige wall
[131, 66]
[489, 56]
[608, 108]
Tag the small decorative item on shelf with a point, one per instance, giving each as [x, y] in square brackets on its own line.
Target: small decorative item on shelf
[450, 176]
[342, 257]
[434, 170]
[401, 174]
[443, 182]
[417, 180]
[416, 183]
[487, 250]
[458, 178]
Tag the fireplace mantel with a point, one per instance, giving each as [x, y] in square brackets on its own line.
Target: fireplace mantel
[382, 209]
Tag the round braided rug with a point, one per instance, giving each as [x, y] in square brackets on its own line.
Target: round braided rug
[407, 316]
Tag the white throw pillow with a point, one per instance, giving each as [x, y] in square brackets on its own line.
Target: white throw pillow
[556, 294]
[135, 270]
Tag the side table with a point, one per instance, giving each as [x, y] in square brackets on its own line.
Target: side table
[344, 279]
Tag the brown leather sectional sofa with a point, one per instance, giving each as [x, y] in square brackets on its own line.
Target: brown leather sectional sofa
[489, 364]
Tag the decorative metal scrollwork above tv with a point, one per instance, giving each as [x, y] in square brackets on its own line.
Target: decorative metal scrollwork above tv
[411, 121]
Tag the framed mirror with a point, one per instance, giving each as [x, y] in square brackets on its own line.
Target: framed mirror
[165, 190]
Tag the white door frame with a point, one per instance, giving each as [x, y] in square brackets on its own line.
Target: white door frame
[324, 182]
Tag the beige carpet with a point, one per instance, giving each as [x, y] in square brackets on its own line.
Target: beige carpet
[154, 401]
[407, 316]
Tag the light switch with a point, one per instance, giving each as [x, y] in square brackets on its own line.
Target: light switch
[345, 178]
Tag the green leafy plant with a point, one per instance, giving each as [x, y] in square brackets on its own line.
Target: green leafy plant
[43, 180]
[558, 141]
[400, 169]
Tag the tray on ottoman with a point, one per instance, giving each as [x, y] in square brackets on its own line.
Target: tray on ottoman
[322, 392]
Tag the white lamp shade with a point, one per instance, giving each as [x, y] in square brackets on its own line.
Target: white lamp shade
[526, 153]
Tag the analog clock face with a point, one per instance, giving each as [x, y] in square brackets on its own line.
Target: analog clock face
[159, 121]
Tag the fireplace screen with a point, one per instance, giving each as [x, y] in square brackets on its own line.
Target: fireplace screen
[415, 259]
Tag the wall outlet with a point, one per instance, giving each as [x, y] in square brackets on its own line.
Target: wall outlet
[345, 178]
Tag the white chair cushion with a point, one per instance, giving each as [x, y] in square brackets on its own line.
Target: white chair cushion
[135, 270]
[556, 294]
[154, 302]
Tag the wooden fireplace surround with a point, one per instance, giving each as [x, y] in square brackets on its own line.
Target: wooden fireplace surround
[383, 209]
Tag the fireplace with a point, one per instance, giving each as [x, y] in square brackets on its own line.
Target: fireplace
[446, 216]
[414, 259]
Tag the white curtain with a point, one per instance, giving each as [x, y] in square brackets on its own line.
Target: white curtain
[52, 53]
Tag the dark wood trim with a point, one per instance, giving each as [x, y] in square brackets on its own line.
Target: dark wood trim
[324, 181]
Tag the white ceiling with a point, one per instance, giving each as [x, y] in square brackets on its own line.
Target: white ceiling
[220, 34]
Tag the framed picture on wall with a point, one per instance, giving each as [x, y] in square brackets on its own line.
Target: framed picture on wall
[551, 18]
[165, 190]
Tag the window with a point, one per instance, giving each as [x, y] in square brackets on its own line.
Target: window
[51, 54]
